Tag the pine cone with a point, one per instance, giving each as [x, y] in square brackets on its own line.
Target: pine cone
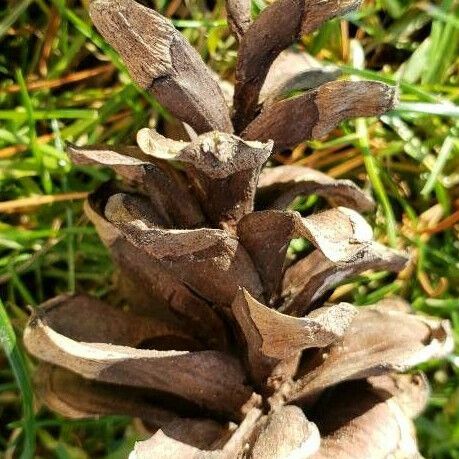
[229, 348]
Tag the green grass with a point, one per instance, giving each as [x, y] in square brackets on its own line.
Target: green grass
[59, 82]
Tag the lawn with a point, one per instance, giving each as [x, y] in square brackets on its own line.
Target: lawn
[60, 82]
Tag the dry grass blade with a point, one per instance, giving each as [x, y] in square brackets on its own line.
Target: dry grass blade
[58, 82]
[19, 205]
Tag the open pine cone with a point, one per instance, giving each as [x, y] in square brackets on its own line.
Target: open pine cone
[228, 348]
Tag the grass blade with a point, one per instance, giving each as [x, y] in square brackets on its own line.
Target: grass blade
[13, 16]
[375, 179]
[445, 151]
[446, 109]
[16, 359]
